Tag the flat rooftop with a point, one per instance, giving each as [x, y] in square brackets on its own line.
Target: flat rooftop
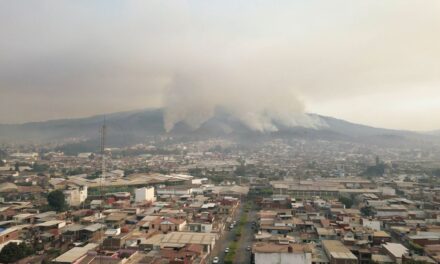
[336, 250]
[189, 238]
[75, 253]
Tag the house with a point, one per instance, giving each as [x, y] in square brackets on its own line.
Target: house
[53, 227]
[9, 234]
[425, 238]
[24, 218]
[72, 232]
[200, 227]
[381, 237]
[338, 253]
[115, 219]
[114, 241]
[395, 251]
[75, 254]
[179, 239]
[91, 232]
[167, 224]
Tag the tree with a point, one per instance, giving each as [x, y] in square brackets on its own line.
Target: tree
[367, 211]
[57, 200]
[346, 201]
[13, 252]
[376, 170]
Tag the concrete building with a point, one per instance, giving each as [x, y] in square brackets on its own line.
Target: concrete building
[271, 253]
[395, 251]
[373, 224]
[338, 253]
[75, 254]
[178, 239]
[75, 195]
[145, 194]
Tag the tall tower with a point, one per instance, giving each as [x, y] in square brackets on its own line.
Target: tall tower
[103, 169]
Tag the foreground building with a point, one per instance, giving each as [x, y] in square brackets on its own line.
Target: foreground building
[271, 253]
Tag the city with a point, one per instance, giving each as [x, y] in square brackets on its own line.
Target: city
[219, 132]
[211, 201]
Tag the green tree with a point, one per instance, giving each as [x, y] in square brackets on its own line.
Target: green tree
[57, 200]
[367, 211]
[13, 252]
[348, 202]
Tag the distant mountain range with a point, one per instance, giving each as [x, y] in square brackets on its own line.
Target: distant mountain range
[126, 128]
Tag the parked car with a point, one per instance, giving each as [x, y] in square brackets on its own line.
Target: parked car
[215, 260]
[227, 250]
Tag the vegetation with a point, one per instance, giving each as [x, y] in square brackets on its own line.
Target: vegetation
[229, 258]
[95, 175]
[40, 167]
[13, 252]
[75, 171]
[367, 211]
[376, 170]
[416, 248]
[57, 200]
[240, 170]
[197, 172]
[348, 202]
[266, 192]
[3, 154]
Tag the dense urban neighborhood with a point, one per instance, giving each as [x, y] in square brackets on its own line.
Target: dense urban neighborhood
[215, 201]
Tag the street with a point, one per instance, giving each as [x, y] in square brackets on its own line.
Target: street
[242, 254]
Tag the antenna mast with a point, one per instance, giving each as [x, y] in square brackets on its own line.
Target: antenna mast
[103, 169]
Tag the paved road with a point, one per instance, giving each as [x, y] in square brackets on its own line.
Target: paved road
[243, 255]
[226, 239]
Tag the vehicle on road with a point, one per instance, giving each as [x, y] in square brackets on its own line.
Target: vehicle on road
[215, 260]
[248, 248]
[227, 250]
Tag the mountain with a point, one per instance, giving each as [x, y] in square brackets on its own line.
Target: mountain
[126, 128]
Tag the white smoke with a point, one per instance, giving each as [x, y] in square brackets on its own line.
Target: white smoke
[258, 101]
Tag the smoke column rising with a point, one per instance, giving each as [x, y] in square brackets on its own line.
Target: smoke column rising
[257, 101]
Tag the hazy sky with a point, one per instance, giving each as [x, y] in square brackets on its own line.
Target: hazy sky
[372, 62]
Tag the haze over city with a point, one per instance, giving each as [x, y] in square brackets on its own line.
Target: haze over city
[371, 62]
[219, 132]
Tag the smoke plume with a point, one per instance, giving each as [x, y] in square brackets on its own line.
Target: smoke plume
[259, 101]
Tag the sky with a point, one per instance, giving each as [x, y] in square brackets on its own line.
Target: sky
[370, 62]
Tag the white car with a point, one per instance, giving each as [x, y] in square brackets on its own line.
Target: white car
[226, 250]
[215, 260]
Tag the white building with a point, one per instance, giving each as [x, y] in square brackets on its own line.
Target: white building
[145, 194]
[174, 191]
[373, 224]
[269, 253]
[75, 195]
